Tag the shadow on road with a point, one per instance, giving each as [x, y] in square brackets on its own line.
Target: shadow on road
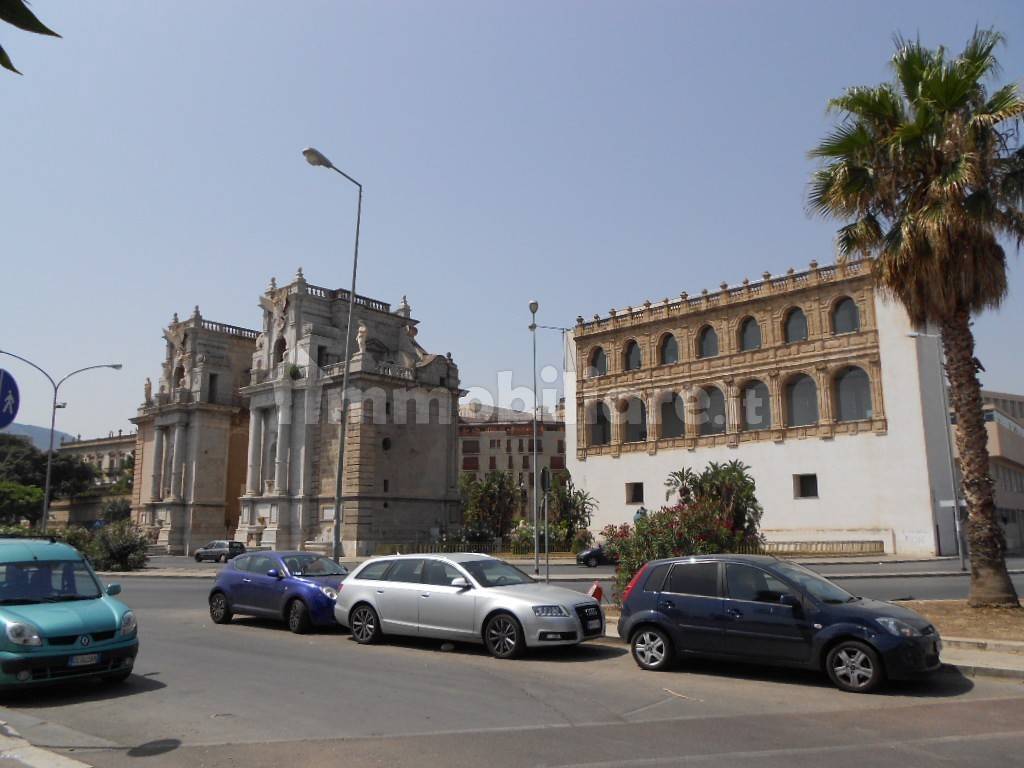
[584, 652]
[279, 626]
[78, 692]
[941, 685]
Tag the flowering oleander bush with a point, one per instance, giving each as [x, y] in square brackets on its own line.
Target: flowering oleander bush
[714, 511]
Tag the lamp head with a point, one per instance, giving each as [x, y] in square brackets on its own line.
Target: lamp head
[316, 157]
[534, 306]
[116, 366]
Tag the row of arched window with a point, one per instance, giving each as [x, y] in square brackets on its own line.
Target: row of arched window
[851, 402]
[845, 319]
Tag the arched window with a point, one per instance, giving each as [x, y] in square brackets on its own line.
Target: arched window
[750, 335]
[795, 327]
[598, 362]
[707, 342]
[673, 416]
[601, 429]
[755, 407]
[636, 421]
[711, 411]
[669, 351]
[633, 358]
[280, 347]
[845, 317]
[801, 401]
[853, 395]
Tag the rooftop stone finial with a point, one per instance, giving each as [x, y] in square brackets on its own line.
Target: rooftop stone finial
[195, 311]
[299, 278]
[790, 271]
[723, 285]
[814, 264]
[746, 281]
[766, 275]
[404, 309]
[174, 318]
[684, 295]
[273, 285]
[579, 319]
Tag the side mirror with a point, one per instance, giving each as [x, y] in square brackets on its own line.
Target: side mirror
[461, 583]
[274, 574]
[113, 589]
[792, 601]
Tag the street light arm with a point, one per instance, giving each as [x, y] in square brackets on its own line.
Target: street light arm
[115, 366]
[29, 362]
[335, 168]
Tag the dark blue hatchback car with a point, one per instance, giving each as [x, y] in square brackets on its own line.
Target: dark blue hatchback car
[766, 610]
[298, 587]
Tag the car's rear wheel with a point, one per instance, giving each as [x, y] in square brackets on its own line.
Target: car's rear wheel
[854, 666]
[365, 625]
[223, 558]
[199, 558]
[220, 611]
[298, 617]
[504, 636]
[591, 562]
[652, 649]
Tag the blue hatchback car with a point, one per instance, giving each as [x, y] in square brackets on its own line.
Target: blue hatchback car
[297, 587]
[766, 610]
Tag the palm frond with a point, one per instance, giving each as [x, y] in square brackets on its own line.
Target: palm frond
[863, 236]
[910, 62]
[846, 140]
[978, 56]
[1004, 104]
[880, 105]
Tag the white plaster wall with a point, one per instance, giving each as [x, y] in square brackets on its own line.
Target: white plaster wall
[870, 486]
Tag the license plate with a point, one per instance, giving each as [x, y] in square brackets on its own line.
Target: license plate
[594, 624]
[84, 660]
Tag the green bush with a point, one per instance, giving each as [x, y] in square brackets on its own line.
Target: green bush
[715, 511]
[118, 547]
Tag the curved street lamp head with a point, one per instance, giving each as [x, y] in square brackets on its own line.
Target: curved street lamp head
[316, 157]
[534, 306]
[116, 366]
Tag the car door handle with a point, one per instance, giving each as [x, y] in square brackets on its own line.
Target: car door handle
[734, 613]
[425, 594]
[666, 604]
[380, 591]
[247, 581]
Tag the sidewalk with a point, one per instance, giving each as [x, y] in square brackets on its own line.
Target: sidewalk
[16, 751]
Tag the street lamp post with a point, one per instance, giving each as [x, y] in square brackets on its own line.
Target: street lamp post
[53, 422]
[960, 549]
[534, 306]
[316, 158]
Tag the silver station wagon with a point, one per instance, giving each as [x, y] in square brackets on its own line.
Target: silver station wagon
[466, 597]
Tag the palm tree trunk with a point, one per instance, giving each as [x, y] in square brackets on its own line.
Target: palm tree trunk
[990, 583]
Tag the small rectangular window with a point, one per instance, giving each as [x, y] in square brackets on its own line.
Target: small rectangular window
[526, 462]
[656, 578]
[493, 462]
[805, 486]
[470, 446]
[387, 485]
[471, 462]
[634, 493]
[694, 579]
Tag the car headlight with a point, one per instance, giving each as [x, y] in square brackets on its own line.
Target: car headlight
[897, 627]
[129, 624]
[23, 633]
[330, 592]
[549, 611]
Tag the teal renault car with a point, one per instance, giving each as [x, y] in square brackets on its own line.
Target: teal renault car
[57, 622]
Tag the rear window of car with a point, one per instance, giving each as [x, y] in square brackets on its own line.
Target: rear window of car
[375, 570]
[656, 578]
[408, 571]
[693, 579]
[242, 563]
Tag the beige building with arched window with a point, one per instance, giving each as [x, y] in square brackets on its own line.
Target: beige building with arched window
[811, 379]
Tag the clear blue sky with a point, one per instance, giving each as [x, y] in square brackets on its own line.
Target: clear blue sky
[588, 154]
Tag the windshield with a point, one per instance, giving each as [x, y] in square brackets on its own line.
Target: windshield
[313, 565]
[47, 582]
[495, 573]
[815, 585]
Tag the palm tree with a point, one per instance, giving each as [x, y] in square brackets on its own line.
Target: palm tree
[929, 174]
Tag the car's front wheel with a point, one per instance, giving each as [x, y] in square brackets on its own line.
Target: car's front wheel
[652, 649]
[365, 625]
[199, 558]
[504, 636]
[223, 558]
[220, 611]
[854, 667]
[298, 617]
[118, 677]
[591, 562]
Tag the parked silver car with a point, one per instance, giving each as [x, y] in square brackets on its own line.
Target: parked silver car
[467, 597]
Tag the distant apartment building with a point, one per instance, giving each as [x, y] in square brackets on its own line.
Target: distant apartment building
[1004, 422]
[500, 439]
[111, 456]
[813, 379]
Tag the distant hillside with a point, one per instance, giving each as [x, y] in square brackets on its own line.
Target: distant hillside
[40, 436]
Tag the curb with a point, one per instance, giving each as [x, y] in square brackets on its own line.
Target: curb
[14, 750]
[920, 575]
[978, 644]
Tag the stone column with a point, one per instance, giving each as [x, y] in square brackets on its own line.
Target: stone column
[284, 419]
[824, 382]
[732, 407]
[775, 394]
[156, 488]
[653, 405]
[178, 465]
[252, 477]
[165, 466]
[691, 396]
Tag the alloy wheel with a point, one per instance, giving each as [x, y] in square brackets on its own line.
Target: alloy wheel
[364, 624]
[649, 648]
[853, 667]
[218, 607]
[502, 636]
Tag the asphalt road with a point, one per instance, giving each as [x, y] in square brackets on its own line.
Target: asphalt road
[253, 694]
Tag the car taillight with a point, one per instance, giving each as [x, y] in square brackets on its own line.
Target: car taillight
[633, 583]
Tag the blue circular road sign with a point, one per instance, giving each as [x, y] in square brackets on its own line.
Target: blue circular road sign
[9, 398]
